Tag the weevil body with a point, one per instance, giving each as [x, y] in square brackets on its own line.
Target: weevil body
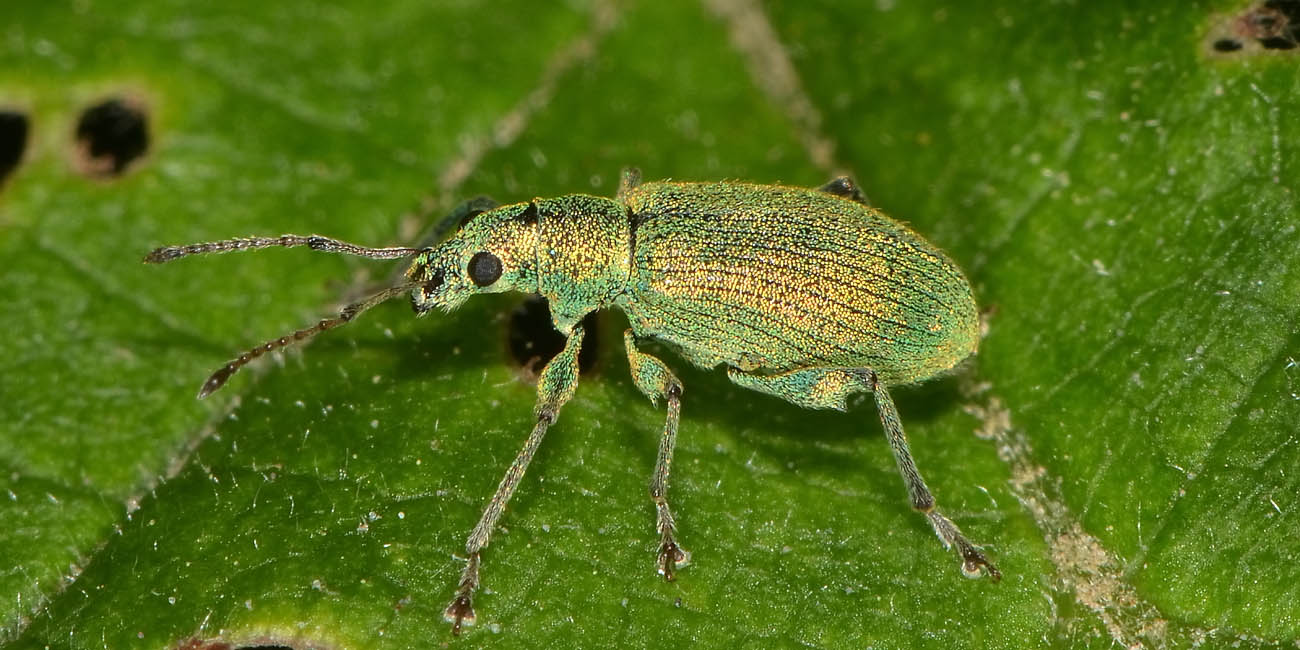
[806, 294]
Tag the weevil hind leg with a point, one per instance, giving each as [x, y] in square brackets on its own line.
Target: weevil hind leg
[974, 563]
[828, 388]
[555, 386]
[654, 379]
[845, 187]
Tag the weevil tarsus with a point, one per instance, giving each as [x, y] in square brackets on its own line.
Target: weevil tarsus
[555, 386]
[653, 378]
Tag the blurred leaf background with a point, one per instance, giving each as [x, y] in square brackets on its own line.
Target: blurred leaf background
[1118, 183]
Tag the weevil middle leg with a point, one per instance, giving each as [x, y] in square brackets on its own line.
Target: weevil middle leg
[654, 379]
[829, 388]
[555, 386]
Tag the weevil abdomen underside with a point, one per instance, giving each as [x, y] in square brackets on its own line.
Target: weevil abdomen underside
[770, 279]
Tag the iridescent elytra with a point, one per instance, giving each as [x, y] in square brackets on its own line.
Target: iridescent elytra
[810, 295]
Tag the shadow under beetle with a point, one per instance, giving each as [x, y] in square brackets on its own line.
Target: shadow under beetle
[808, 295]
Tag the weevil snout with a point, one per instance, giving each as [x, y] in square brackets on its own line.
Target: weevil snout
[440, 278]
[429, 277]
[494, 252]
[423, 296]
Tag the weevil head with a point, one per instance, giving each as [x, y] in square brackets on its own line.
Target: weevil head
[492, 252]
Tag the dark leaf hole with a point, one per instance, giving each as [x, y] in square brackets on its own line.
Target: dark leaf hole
[1278, 43]
[1227, 45]
[13, 141]
[110, 135]
[533, 339]
[1274, 24]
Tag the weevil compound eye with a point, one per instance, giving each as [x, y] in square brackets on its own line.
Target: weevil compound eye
[484, 268]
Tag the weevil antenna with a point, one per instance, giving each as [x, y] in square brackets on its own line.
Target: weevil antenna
[218, 378]
[315, 242]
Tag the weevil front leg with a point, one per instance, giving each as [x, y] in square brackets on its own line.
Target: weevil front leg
[829, 388]
[555, 386]
[654, 379]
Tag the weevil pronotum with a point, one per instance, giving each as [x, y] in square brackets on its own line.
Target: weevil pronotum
[810, 295]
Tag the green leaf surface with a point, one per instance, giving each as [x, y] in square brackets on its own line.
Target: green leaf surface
[1125, 445]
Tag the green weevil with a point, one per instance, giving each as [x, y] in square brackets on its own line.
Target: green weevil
[810, 295]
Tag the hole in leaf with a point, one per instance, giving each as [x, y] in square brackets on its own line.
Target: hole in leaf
[533, 339]
[110, 135]
[1278, 43]
[1270, 25]
[200, 644]
[13, 141]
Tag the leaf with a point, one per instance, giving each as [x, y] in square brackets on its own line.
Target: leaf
[1120, 194]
